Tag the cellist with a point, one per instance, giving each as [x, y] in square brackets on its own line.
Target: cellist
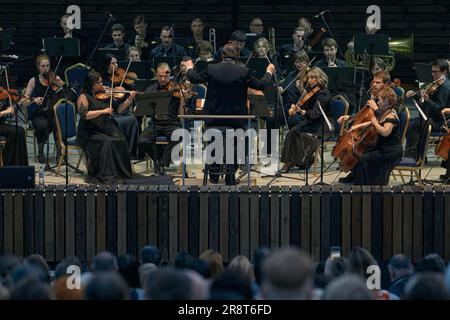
[375, 165]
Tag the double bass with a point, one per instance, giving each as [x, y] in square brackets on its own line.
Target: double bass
[352, 144]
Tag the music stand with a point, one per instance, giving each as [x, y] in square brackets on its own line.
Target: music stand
[338, 75]
[258, 65]
[62, 47]
[143, 69]
[6, 36]
[172, 61]
[201, 65]
[370, 44]
[322, 138]
[118, 53]
[153, 104]
[142, 84]
[423, 72]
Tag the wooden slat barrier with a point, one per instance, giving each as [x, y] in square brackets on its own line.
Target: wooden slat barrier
[60, 221]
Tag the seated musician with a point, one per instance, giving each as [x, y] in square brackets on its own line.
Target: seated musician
[197, 36]
[99, 136]
[306, 25]
[228, 84]
[74, 33]
[38, 98]
[377, 162]
[432, 105]
[118, 35]
[133, 54]
[238, 38]
[127, 121]
[164, 124]
[289, 50]
[204, 51]
[445, 163]
[142, 38]
[329, 58]
[167, 48]
[303, 139]
[15, 152]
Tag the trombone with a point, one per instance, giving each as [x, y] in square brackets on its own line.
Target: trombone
[212, 38]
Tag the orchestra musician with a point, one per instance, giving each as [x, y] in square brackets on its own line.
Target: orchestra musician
[377, 162]
[142, 39]
[290, 49]
[167, 48]
[197, 36]
[303, 139]
[329, 59]
[37, 98]
[74, 33]
[306, 25]
[256, 26]
[445, 163]
[99, 136]
[204, 51]
[163, 125]
[15, 152]
[238, 38]
[118, 35]
[122, 114]
[432, 105]
[228, 83]
[133, 54]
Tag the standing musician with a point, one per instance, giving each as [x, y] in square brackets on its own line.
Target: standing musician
[303, 139]
[99, 136]
[228, 83]
[15, 152]
[39, 96]
[165, 124]
[167, 48]
[142, 39]
[122, 114]
[329, 59]
[118, 35]
[377, 162]
[431, 103]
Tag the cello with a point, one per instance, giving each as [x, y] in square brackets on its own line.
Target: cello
[352, 144]
[443, 146]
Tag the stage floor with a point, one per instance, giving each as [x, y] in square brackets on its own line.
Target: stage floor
[431, 172]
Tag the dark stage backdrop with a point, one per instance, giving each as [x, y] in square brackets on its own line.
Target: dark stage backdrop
[428, 20]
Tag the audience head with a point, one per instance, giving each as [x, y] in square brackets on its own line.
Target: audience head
[214, 260]
[151, 254]
[426, 286]
[348, 287]
[104, 261]
[108, 285]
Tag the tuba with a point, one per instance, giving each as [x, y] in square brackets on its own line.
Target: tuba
[401, 46]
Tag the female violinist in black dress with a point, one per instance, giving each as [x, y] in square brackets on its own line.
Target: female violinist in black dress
[99, 136]
[303, 139]
[377, 162]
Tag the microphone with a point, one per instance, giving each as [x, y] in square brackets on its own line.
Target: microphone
[319, 14]
[110, 16]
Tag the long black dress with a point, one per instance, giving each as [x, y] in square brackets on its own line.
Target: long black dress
[15, 152]
[108, 158]
[303, 139]
[376, 164]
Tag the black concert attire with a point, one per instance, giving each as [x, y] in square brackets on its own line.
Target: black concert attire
[323, 63]
[432, 109]
[15, 152]
[191, 48]
[105, 147]
[127, 122]
[161, 50]
[304, 138]
[163, 125]
[145, 51]
[376, 164]
[123, 46]
[228, 83]
[42, 118]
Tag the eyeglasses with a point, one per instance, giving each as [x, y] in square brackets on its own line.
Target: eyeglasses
[257, 25]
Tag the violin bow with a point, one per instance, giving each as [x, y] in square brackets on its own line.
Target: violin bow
[112, 89]
[298, 75]
[125, 75]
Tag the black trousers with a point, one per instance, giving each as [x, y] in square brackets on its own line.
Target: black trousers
[43, 124]
[413, 134]
[159, 153]
[15, 152]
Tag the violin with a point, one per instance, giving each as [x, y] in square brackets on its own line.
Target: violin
[118, 93]
[52, 81]
[179, 90]
[5, 94]
[121, 76]
[443, 147]
[305, 97]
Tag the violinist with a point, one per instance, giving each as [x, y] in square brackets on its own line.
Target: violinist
[431, 102]
[377, 162]
[99, 136]
[127, 121]
[303, 139]
[38, 95]
[163, 125]
[15, 152]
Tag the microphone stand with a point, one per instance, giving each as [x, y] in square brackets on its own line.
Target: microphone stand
[89, 61]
